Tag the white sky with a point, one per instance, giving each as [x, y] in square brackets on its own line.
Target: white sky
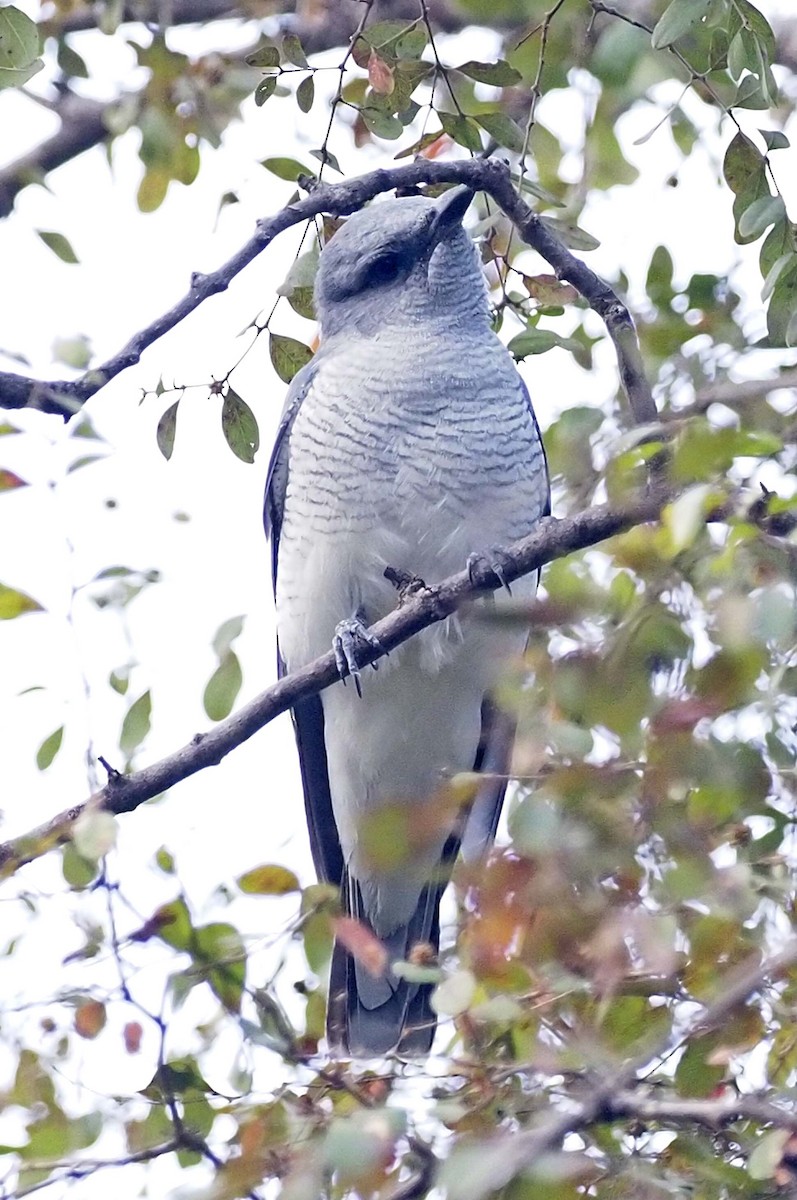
[57, 533]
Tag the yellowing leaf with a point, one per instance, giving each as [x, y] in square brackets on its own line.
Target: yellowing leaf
[268, 880]
[14, 603]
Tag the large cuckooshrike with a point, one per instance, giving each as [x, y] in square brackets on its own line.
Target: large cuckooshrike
[409, 441]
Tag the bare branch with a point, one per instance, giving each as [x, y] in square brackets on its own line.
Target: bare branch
[675, 1110]
[488, 175]
[746, 391]
[550, 539]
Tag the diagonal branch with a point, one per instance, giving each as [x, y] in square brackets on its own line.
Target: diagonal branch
[608, 1098]
[550, 539]
[488, 175]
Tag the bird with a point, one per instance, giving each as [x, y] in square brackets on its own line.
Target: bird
[408, 444]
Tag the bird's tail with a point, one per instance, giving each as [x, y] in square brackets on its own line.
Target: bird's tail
[368, 1015]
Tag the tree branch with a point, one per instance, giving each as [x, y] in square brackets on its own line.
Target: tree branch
[489, 175]
[82, 126]
[550, 539]
[519, 1151]
[675, 1110]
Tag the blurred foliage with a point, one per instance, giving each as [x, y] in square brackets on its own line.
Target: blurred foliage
[652, 831]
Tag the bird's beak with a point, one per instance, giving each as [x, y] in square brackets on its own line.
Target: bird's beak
[451, 208]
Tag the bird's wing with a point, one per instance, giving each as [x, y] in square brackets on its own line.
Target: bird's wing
[277, 474]
[308, 715]
[498, 732]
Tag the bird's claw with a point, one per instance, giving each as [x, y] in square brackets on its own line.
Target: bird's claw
[349, 635]
[407, 585]
[494, 559]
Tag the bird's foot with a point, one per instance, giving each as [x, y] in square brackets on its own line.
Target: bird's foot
[494, 559]
[350, 635]
[407, 585]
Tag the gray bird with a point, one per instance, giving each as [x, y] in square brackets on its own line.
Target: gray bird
[408, 442]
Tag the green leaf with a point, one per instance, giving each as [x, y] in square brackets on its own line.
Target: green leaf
[49, 748]
[383, 124]
[767, 1154]
[239, 426]
[678, 18]
[786, 261]
[326, 158]
[412, 43]
[167, 427]
[775, 139]
[537, 341]
[499, 73]
[14, 603]
[505, 131]
[268, 880]
[267, 87]
[56, 242]
[572, 235]
[78, 872]
[136, 724]
[293, 51]
[220, 946]
[426, 140]
[286, 168]
[762, 213]
[265, 56]
[170, 922]
[783, 307]
[226, 634]
[288, 355]
[70, 61]
[462, 130]
[305, 94]
[742, 163]
[223, 687]
[19, 48]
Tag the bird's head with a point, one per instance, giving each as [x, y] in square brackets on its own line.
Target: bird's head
[401, 262]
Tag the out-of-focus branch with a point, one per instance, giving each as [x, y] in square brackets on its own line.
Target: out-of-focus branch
[551, 539]
[743, 393]
[489, 175]
[82, 126]
[517, 1152]
[676, 1110]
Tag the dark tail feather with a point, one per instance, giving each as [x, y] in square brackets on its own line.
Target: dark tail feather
[359, 1020]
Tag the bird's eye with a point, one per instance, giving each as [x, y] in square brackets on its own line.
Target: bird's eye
[386, 268]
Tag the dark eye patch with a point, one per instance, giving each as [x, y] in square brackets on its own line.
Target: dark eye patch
[386, 268]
